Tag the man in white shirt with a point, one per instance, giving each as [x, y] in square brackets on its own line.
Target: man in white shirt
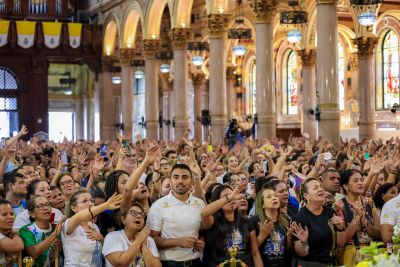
[175, 222]
[390, 216]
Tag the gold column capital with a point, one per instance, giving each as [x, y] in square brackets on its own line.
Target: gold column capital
[180, 37]
[365, 46]
[322, 2]
[217, 24]
[265, 10]
[198, 79]
[308, 57]
[151, 47]
[126, 55]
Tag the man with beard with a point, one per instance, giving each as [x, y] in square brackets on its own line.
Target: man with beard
[175, 221]
[16, 189]
[331, 183]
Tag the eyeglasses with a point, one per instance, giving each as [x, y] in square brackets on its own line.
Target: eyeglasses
[135, 213]
[43, 206]
[69, 182]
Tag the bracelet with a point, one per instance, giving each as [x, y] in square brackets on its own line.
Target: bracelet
[91, 213]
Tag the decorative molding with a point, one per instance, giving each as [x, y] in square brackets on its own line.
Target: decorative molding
[180, 37]
[151, 47]
[365, 46]
[354, 62]
[230, 75]
[126, 55]
[308, 57]
[265, 10]
[198, 79]
[217, 24]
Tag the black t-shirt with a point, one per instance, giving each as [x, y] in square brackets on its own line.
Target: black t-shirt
[274, 250]
[321, 234]
[215, 254]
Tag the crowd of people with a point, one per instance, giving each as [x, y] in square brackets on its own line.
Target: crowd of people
[134, 202]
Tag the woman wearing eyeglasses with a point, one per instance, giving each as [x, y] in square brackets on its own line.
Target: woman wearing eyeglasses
[39, 236]
[65, 182]
[81, 237]
[131, 246]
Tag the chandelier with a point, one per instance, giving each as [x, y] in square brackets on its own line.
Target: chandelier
[239, 31]
[294, 18]
[366, 11]
[198, 48]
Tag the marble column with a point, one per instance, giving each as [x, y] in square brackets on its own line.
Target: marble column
[126, 55]
[365, 47]
[179, 38]
[230, 92]
[151, 69]
[198, 84]
[327, 71]
[107, 105]
[354, 76]
[217, 24]
[309, 123]
[265, 11]
[166, 94]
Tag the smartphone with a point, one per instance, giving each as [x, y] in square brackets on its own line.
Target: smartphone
[3, 142]
[126, 145]
[253, 179]
[366, 156]
[327, 156]
[64, 157]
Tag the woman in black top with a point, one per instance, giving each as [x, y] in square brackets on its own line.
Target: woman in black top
[271, 227]
[317, 230]
[227, 228]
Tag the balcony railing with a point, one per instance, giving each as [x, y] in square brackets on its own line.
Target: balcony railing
[34, 9]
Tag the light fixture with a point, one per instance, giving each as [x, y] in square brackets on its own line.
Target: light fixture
[239, 29]
[116, 79]
[197, 60]
[366, 10]
[367, 18]
[138, 74]
[164, 68]
[239, 50]
[68, 91]
[294, 36]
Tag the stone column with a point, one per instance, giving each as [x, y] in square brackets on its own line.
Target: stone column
[354, 76]
[166, 90]
[327, 71]
[309, 123]
[265, 11]
[230, 92]
[107, 107]
[366, 46]
[151, 47]
[198, 84]
[217, 24]
[179, 38]
[126, 55]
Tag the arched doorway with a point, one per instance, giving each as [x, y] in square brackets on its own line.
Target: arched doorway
[8, 103]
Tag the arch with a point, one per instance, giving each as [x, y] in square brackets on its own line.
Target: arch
[347, 36]
[154, 12]
[216, 6]
[289, 86]
[181, 13]
[9, 102]
[112, 30]
[132, 16]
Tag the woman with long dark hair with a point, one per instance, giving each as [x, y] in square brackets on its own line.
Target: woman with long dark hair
[382, 195]
[228, 228]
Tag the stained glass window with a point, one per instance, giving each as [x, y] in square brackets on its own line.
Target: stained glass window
[252, 88]
[390, 56]
[290, 103]
[341, 75]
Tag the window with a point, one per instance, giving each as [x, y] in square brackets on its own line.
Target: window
[252, 88]
[390, 69]
[289, 85]
[341, 75]
[8, 103]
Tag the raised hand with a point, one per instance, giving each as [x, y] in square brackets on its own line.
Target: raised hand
[143, 234]
[266, 228]
[338, 222]
[300, 232]
[114, 201]
[153, 153]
